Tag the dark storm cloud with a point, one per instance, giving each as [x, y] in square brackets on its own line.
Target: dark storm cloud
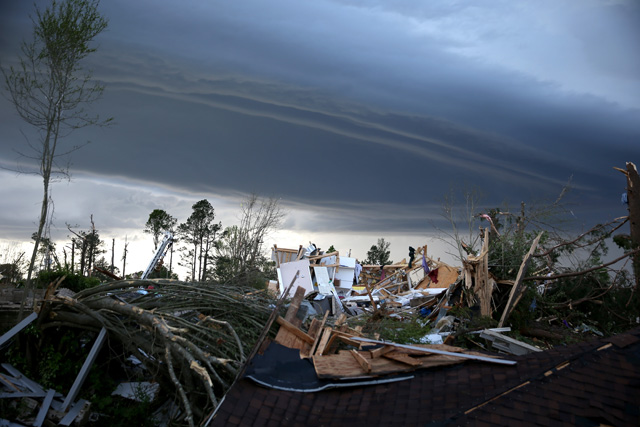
[365, 112]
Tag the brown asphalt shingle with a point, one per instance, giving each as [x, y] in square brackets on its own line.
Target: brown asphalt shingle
[595, 387]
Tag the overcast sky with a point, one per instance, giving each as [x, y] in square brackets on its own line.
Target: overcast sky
[359, 115]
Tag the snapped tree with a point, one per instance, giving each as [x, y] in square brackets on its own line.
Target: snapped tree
[50, 89]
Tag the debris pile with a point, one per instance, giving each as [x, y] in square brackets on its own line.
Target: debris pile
[340, 354]
[184, 344]
[342, 285]
[188, 339]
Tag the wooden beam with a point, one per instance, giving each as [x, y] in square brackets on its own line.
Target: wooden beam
[380, 351]
[366, 366]
[294, 306]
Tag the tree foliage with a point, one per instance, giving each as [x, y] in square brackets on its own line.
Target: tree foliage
[158, 223]
[379, 254]
[199, 231]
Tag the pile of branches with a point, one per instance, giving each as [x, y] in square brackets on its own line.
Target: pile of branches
[194, 336]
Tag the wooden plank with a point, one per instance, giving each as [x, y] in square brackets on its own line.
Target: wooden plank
[314, 328]
[294, 306]
[332, 339]
[284, 336]
[517, 289]
[319, 334]
[402, 358]
[380, 351]
[373, 303]
[326, 335]
[294, 330]
[364, 363]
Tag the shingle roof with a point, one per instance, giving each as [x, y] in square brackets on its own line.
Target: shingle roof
[589, 383]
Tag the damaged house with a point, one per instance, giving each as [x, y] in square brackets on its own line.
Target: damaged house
[303, 351]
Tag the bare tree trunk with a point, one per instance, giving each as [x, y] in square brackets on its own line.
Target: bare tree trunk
[73, 256]
[124, 259]
[195, 260]
[171, 261]
[83, 256]
[29, 286]
[113, 252]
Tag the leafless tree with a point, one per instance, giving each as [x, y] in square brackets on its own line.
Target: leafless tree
[242, 246]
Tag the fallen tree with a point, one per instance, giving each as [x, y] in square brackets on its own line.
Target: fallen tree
[193, 337]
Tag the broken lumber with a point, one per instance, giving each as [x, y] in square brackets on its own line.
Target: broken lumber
[366, 366]
[518, 289]
[432, 350]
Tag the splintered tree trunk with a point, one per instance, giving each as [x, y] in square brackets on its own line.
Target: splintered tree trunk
[113, 254]
[633, 198]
